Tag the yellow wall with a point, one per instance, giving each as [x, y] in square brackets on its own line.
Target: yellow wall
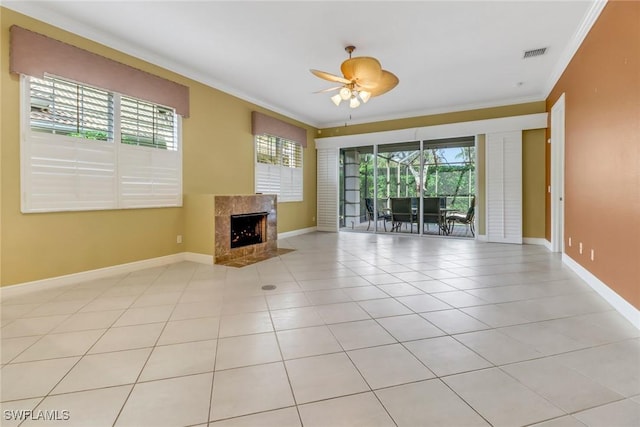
[217, 158]
[533, 156]
[533, 183]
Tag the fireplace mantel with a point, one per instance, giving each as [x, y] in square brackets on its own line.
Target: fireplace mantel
[224, 207]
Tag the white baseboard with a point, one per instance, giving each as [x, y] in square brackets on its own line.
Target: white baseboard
[199, 258]
[83, 276]
[631, 313]
[288, 234]
[482, 238]
[535, 241]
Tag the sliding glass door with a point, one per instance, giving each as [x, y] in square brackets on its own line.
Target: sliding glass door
[408, 187]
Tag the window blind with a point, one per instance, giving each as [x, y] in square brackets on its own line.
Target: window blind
[72, 174]
[82, 150]
[65, 108]
[279, 168]
[146, 124]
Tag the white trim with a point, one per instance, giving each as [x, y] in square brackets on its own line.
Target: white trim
[574, 44]
[100, 273]
[438, 110]
[535, 241]
[298, 232]
[557, 187]
[199, 258]
[631, 313]
[450, 130]
[482, 238]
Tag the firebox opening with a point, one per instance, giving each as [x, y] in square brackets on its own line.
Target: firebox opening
[248, 229]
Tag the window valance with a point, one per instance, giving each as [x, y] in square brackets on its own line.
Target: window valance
[261, 124]
[35, 54]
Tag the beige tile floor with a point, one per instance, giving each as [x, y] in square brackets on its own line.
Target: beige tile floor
[368, 330]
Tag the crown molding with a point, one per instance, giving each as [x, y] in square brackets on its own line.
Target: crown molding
[576, 41]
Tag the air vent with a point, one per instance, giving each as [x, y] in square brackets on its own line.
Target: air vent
[534, 52]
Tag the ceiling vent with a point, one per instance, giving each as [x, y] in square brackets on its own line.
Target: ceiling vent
[534, 52]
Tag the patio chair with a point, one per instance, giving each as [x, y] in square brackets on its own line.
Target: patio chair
[401, 213]
[431, 212]
[461, 218]
[384, 214]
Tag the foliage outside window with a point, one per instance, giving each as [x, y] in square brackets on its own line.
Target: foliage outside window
[447, 172]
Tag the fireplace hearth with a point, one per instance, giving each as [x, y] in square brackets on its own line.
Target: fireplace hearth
[248, 229]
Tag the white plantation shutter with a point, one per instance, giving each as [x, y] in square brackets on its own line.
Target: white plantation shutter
[78, 152]
[149, 177]
[70, 174]
[66, 108]
[279, 168]
[504, 187]
[267, 179]
[290, 184]
[147, 125]
[327, 182]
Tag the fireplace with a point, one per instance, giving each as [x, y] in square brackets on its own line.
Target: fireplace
[248, 229]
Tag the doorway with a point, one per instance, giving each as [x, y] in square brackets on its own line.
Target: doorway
[384, 188]
[557, 175]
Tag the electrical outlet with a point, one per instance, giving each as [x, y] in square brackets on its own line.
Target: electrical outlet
[593, 254]
[569, 241]
[580, 248]
[179, 238]
[313, 219]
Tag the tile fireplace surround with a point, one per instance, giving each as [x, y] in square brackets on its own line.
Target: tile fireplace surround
[225, 206]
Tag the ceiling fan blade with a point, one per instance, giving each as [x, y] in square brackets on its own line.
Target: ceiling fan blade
[329, 89]
[364, 70]
[329, 76]
[387, 82]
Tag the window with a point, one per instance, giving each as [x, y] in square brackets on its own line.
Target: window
[85, 148]
[279, 168]
[64, 108]
[147, 125]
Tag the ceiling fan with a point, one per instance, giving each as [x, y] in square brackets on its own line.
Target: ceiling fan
[363, 78]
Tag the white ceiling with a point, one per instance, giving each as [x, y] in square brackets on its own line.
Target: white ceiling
[448, 55]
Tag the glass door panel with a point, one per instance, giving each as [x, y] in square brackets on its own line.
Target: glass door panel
[399, 186]
[449, 171]
[357, 189]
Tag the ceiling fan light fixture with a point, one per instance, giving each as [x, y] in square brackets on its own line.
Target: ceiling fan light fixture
[362, 78]
[345, 93]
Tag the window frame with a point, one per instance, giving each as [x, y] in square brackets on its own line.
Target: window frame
[279, 178]
[154, 173]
